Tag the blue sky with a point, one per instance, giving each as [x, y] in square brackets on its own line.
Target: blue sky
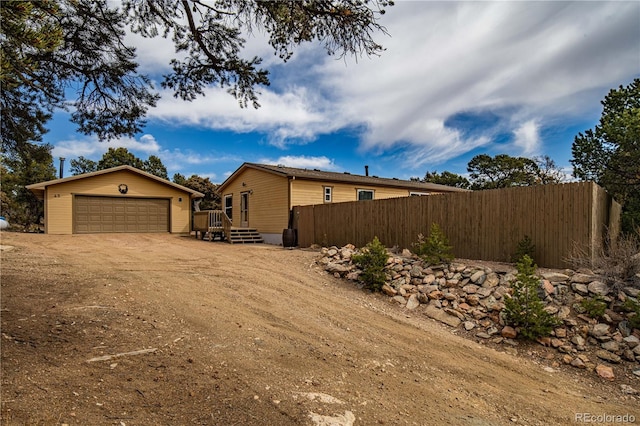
[457, 79]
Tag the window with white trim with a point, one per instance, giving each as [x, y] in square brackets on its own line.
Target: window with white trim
[365, 194]
[328, 194]
[418, 194]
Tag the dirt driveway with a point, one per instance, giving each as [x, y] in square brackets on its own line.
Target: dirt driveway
[169, 330]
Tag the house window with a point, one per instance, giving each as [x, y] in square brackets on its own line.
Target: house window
[365, 194]
[418, 194]
[327, 194]
[228, 206]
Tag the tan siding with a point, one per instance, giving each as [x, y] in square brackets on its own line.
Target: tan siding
[59, 198]
[307, 192]
[268, 203]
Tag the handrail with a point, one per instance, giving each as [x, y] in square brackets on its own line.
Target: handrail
[212, 220]
[226, 224]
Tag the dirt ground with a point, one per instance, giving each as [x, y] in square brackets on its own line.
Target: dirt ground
[199, 333]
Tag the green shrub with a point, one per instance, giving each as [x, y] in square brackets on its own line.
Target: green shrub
[436, 248]
[594, 306]
[372, 261]
[524, 309]
[525, 246]
[631, 305]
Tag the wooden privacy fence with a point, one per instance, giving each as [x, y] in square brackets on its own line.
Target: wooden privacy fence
[483, 225]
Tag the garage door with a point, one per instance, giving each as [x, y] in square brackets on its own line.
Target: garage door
[110, 214]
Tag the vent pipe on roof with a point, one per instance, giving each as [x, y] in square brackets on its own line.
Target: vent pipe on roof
[62, 167]
[366, 170]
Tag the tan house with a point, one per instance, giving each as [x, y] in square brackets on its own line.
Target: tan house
[120, 199]
[261, 196]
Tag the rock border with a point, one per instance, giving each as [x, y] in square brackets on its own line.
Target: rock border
[471, 297]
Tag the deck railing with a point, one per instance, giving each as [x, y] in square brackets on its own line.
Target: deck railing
[211, 221]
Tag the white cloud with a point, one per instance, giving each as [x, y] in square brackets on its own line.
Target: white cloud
[527, 58]
[91, 147]
[531, 63]
[303, 162]
[527, 138]
[296, 116]
[175, 160]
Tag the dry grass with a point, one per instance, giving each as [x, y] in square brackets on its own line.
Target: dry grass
[618, 263]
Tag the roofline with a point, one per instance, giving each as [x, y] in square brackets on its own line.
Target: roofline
[385, 182]
[43, 185]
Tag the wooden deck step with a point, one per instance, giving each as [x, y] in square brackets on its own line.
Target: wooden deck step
[245, 235]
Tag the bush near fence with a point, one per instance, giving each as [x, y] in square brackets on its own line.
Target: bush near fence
[482, 225]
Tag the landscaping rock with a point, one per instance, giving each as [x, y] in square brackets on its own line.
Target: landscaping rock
[581, 289]
[631, 341]
[440, 315]
[578, 363]
[555, 277]
[472, 297]
[336, 267]
[478, 277]
[491, 280]
[605, 372]
[413, 302]
[598, 288]
[608, 356]
[581, 278]
[388, 290]
[611, 346]
[509, 332]
[600, 330]
[400, 300]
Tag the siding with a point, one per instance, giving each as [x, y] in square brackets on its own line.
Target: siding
[268, 203]
[59, 199]
[307, 192]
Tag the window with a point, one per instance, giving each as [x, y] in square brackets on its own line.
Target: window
[228, 206]
[365, 194]
[327, 194]
[418, 194]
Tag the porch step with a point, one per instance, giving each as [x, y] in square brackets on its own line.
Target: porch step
[245, 235]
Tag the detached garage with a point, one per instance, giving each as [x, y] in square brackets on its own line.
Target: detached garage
[120, 199]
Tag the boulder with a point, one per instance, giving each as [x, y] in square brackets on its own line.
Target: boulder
[416, 272]
[509, 332]
[469, 325]
[336, 267]
[600, 330]
[470, 289]
[413, 302]
[631, 341]
[555, 277]
[581, 278]
[440, 315]
[492, 280]
[581, 289]
[388, 290]
[608, 356]
[605, 372]
[598, 288]
[400, 300]
[478, 277]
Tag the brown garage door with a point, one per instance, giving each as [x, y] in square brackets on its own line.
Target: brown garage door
[110, 214]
